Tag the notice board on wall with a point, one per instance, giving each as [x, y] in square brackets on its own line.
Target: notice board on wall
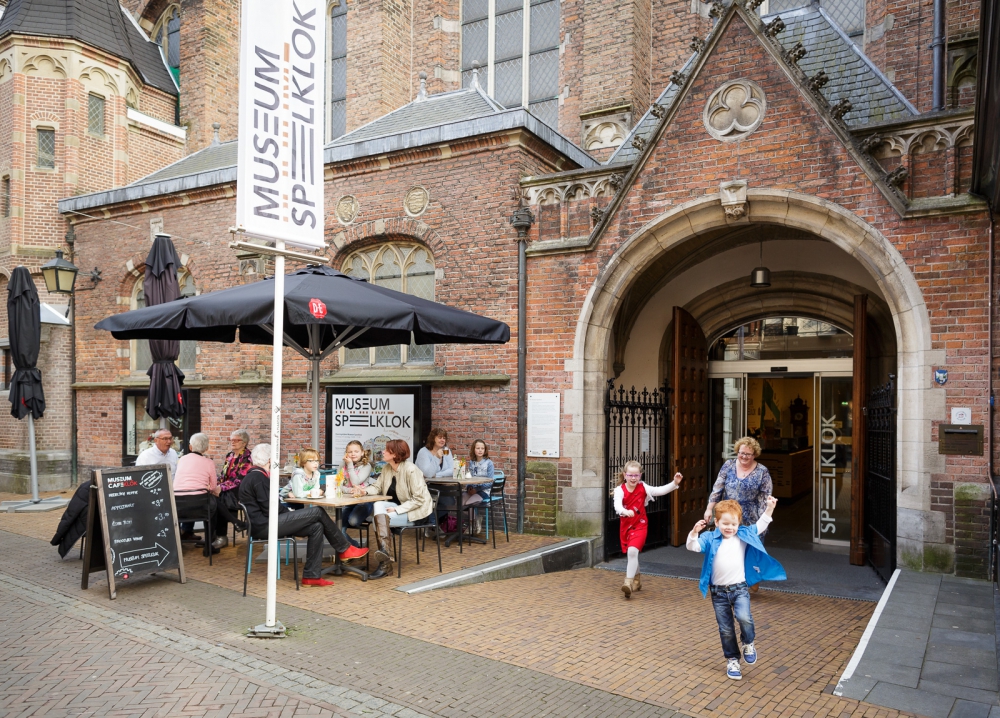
[131, 525]
[543, 425]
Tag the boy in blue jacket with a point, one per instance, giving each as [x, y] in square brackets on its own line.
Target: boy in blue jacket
[735, 559]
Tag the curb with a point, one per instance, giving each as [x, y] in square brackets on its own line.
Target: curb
[564, 556]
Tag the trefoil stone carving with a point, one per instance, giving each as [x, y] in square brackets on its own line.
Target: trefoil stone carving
[734, 110]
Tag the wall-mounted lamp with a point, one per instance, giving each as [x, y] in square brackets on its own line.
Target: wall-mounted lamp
[60, 275]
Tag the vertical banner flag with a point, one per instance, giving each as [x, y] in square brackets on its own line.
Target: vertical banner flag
[279, 193]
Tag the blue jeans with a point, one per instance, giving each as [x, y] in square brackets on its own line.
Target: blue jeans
[727, 601]
[356, 515]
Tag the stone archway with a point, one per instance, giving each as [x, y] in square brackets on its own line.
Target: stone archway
[581, 503]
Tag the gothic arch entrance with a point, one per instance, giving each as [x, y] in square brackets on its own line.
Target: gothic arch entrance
[692, 239]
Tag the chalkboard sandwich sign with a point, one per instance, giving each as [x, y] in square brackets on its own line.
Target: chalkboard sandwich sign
[132, 525]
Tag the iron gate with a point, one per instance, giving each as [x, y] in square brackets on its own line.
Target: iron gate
[880, 479]
[636, 429]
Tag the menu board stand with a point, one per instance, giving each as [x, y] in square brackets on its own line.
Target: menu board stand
[131, 525]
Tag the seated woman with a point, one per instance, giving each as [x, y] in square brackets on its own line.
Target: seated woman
[305, 477]
[357, 472]
[196, 477]
[435, 459]
[234, 468]
[409, 500]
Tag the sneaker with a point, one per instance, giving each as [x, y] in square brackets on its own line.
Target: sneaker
[352, 553]
[316, 582]
[733, 669]
[749, 654]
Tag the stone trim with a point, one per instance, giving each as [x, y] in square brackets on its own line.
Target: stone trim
[917, 457]
[349, 377]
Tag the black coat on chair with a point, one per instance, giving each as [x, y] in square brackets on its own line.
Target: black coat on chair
[73, 523]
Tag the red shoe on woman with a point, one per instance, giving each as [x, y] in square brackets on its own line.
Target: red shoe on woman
[316, 582]
[352, 553]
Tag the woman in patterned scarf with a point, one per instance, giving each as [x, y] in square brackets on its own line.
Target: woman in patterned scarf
[236, 466]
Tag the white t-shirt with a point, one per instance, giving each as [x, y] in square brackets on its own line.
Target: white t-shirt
[728, 567]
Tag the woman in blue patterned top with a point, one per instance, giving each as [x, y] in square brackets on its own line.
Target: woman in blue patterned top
[743, 480]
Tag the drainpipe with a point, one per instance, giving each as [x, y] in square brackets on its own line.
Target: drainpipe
[522, 220]
[938, 45]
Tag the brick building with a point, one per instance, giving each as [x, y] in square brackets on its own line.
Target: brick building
[666, 150]
[86, 103]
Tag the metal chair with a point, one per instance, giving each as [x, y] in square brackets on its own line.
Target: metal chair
[200, 512]
[419, 530]
[289, 543]
[495, 501]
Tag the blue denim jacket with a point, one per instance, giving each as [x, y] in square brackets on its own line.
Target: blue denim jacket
[757, 564]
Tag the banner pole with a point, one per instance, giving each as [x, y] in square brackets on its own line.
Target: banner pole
[272, 511]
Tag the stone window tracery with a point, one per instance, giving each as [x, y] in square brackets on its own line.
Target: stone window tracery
[406, 268]
[141, 359]
[167, 34]
[338, 69]
[515, 43]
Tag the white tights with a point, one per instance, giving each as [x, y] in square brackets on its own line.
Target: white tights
[632, 568]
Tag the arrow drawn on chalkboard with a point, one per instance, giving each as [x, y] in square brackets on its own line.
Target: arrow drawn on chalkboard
[154, 554]
[150, 479]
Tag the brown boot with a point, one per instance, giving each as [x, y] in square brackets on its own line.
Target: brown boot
[383, 554]
[637, 582]
[627, 588]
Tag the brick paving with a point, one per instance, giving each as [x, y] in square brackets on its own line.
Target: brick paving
[560, 644]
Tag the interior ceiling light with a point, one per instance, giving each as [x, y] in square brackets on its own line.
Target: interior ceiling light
[760, 277]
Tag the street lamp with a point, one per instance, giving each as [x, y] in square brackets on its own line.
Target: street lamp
[60, 275]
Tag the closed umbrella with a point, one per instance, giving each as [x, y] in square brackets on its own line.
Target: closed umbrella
[24, 324]
[160, 285]
[324, 310]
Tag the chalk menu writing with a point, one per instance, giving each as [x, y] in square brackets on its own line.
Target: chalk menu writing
[133, 515]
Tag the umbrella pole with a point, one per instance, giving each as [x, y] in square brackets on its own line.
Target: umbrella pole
[34, 459]
[315, 399]
[272, 511]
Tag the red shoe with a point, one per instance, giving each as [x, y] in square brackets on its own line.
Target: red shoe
[352, 553]
[316, 582]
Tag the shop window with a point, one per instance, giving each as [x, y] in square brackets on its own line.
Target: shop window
[406, 268]
[167, 34]
[514, 72]
[338, 69]
[5, 197]
[138, 426]
[141, 358]
[46, 149]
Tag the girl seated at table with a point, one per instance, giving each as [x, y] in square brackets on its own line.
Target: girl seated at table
[305, 477]
[480, 464]
[409, 500]
[357, 471]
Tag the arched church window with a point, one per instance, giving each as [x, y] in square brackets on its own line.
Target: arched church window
[167, 34]
[338, 69]
[141, 357]
[514, 72]
[406, 268]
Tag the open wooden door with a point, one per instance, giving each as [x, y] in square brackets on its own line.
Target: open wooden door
[858, 434]
[689, 424]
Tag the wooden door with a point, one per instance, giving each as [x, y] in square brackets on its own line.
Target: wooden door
[689, 424]
[858, 433]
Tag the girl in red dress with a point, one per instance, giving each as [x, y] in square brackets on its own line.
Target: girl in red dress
[631, 497]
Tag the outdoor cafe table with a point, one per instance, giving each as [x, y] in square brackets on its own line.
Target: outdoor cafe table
[457, 488]
[338, 505]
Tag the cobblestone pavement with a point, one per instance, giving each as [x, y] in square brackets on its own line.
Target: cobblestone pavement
[561, 644]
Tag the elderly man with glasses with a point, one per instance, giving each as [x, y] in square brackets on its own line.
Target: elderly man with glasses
[161, 452]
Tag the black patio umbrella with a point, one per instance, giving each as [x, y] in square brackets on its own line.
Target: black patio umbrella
[165, 377]
[24, 323]
[24, 326]
[324, 310]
